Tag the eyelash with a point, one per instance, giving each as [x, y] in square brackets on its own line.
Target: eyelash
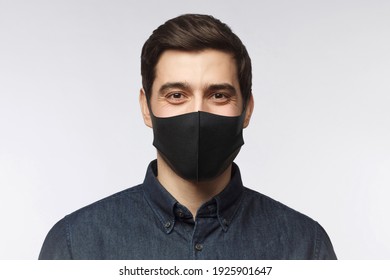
[223, 97]
[221, 94]
[172, 99]
[172, 94]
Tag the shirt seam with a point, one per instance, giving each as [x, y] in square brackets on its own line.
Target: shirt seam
[317, 241]
[68, 237]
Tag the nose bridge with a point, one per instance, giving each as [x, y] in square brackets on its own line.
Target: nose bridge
[198, 102]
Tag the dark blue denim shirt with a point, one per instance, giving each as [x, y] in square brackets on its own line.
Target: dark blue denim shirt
[146, 222]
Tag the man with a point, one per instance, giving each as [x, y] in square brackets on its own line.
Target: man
[196, 96]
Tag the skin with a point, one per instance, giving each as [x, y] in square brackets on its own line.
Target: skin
[188, 82]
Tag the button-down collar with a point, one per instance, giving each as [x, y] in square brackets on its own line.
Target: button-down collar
[167, 209]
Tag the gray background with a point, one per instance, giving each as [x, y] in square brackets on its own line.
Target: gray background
[71, 130]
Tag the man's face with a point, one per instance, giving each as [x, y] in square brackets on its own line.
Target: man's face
[196, 81]
[188, 82]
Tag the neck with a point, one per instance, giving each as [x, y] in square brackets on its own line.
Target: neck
[189, 193]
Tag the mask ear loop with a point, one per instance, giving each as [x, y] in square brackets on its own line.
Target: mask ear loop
[242, 116]
[149, 106]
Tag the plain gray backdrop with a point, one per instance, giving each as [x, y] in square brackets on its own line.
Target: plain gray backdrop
[71, 130]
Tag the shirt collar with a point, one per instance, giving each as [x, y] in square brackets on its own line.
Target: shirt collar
[159, 199]
[229, 200]
[166, 207]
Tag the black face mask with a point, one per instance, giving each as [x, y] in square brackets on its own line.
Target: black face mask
[198, 146]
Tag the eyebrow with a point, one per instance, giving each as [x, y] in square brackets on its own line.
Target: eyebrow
[174, 85]
[186, 86]
[223, 86]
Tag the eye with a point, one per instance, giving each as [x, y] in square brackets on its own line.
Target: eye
[220, 97]
[175, 97]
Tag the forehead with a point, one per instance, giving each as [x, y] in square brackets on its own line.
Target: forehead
[204, 66]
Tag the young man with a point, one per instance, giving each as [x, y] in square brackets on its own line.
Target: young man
[196, 96]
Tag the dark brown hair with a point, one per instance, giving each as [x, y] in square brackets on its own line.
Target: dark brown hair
[193, 32]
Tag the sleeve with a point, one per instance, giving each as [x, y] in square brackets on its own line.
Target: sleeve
[57, 243]
[324, 248]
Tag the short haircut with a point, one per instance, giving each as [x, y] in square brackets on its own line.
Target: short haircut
[194, 32]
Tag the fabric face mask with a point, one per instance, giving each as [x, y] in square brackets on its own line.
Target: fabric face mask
[198, 146]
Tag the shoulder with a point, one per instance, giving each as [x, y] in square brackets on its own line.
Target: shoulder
[130, 197]
[269, 207]
[290, 227]
[94, 219]
[108, 211]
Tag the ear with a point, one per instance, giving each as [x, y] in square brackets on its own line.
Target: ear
[249, 109]
[144, 108]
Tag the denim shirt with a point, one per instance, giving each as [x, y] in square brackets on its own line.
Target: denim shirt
[146, 222]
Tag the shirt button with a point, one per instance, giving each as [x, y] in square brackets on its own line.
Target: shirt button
[180, 214]
[167, 224]
[199, 247]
